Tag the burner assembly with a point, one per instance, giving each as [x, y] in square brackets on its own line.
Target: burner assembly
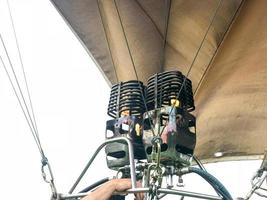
[126, 107]
[159, 112]
[151, 137]
[169, 100]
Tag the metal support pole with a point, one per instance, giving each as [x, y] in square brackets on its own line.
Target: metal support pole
[256, 186]
[131, 158]
[188, 194]
[146, 190]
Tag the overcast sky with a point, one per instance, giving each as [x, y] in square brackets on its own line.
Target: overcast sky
[70, 98]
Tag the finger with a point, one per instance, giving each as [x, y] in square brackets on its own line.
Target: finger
[122, 184]
[139, 197]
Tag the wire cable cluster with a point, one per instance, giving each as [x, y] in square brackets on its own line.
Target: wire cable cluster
[27, 110]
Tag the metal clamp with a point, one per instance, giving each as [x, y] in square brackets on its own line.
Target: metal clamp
[46, 170]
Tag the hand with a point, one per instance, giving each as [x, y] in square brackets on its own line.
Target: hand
[105, 191]
[139, 196]
[122, 185]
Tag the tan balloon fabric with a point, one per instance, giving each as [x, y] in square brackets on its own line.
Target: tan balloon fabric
[127, 22]
[97, 23]
[231, 92]
[232, 100]
[189, 22]
[83, 18]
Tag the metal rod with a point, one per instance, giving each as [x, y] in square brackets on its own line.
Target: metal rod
[188, 194]
[130, 191]
[256, 186]
[72, 196]
[131, 158]
[146, 190]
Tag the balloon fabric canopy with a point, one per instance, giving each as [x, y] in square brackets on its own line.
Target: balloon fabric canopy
[220, 45]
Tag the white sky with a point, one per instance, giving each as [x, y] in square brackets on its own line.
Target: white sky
[70, 97]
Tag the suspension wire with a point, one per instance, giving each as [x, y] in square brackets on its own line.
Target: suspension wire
[200, 47]
[22, 66]
[196, 55]
[162, 61]
[135, 71]
[231, 21]
[149, 17]
[46, 168]
[199, 163]
[167, 19]
[20, 91]
[106, 38]
[21, 106]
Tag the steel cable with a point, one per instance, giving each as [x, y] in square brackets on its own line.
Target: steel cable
[132, 60]
[223, 36]
[21, 106]
[196, 55]
[22, 66]
[31, 120]
[106, 37]
[167, 19]
[19, 94]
